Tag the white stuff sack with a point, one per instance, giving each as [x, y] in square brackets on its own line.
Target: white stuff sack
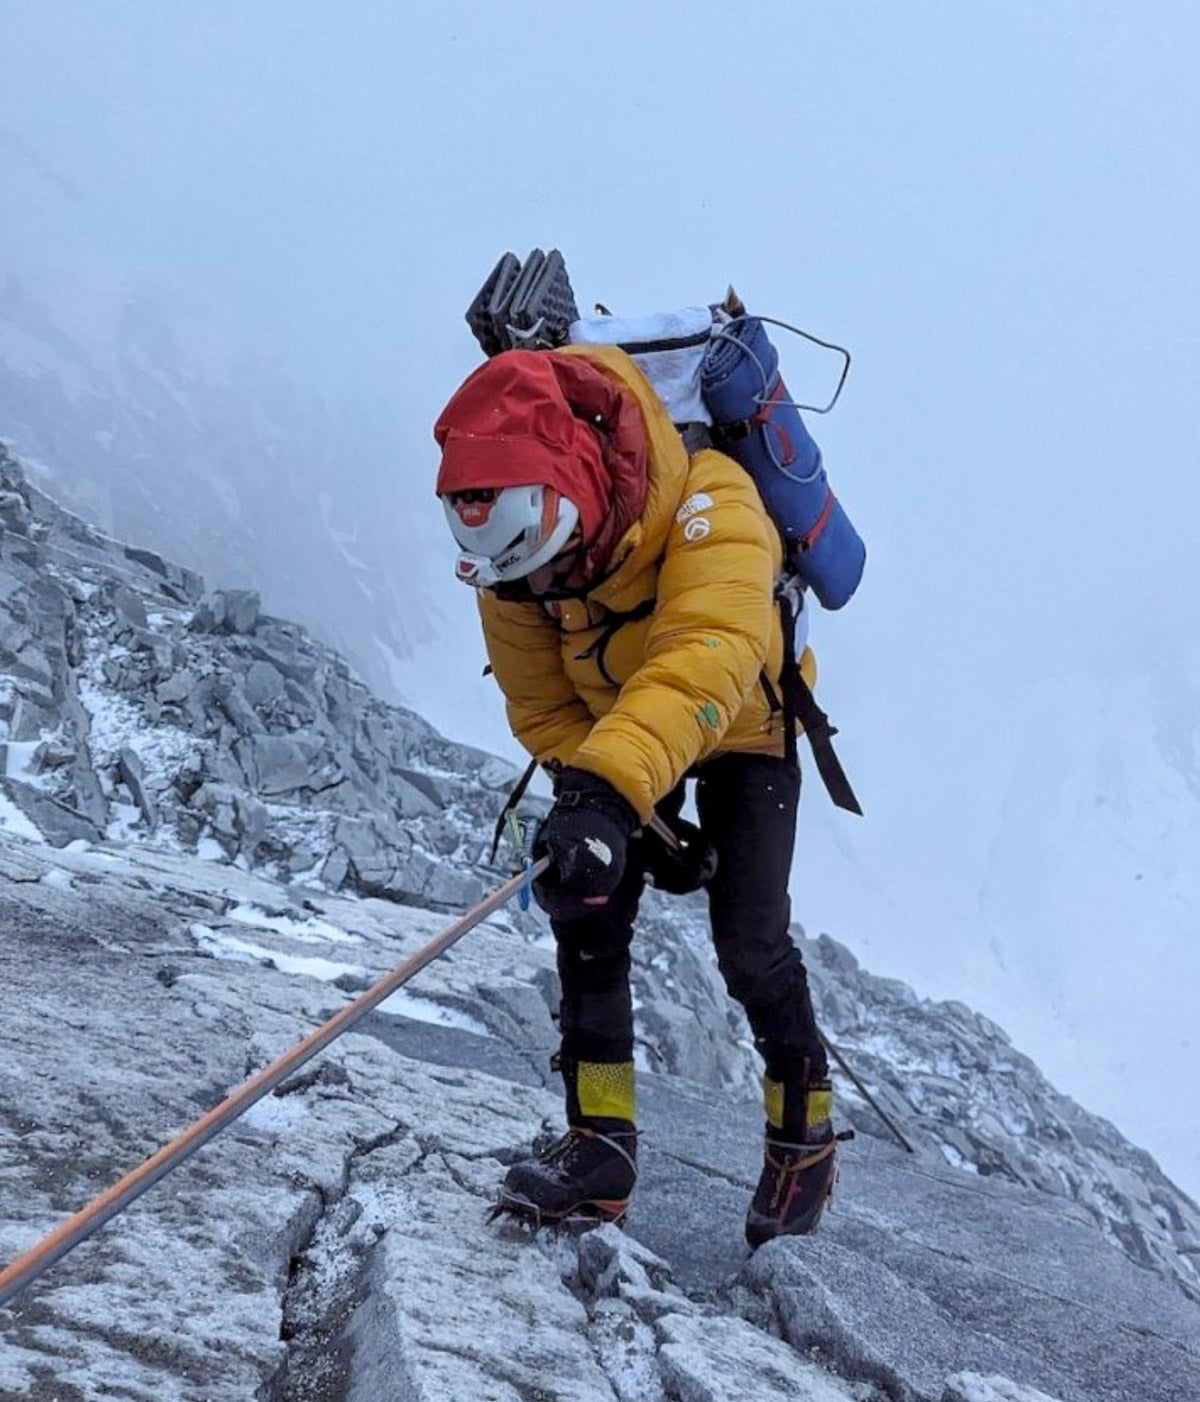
[667, 347]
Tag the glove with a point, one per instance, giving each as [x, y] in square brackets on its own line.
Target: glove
[678, 870]
[586, 836]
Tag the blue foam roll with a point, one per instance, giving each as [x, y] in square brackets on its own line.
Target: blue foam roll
[834, 564]
[741, 386]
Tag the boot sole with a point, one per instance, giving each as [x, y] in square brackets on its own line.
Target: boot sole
[593, 1212]
[760, 1230]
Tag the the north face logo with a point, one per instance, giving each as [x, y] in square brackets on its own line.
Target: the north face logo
[600, 850]
[697, 502]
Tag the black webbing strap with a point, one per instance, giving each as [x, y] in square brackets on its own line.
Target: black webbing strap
[514, 798]
[799, 704]
[787, 618]
[612, 625]
[696, 436]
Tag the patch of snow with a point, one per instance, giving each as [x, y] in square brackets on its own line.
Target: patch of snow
[956, 1159]
[223, 945]
[402, 1003]
[310, 966]
[18, 755]
[14, 821]
[114, 721]
[276, 1115]
[208, 849]
[125, 818]
[216, 945]
[162, 750]
[311, 930]
[973, 1387]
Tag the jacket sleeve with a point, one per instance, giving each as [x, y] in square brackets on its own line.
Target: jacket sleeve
[705, 649]
[525, 651]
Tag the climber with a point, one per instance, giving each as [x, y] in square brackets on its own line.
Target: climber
[626, 589]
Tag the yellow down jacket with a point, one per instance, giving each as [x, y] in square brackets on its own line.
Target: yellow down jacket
[675, 657]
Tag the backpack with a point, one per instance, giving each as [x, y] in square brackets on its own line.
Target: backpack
[712, 366]
[717, 373]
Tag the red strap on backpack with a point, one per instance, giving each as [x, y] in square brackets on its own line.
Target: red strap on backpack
[810, 539]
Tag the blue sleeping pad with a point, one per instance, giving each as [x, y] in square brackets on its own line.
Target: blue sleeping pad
[756, 423]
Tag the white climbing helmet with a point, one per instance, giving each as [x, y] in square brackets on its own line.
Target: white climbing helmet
[506, 533]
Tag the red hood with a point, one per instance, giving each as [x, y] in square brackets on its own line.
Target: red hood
[534, 417]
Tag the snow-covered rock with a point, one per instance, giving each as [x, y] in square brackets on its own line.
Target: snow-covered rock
[135, 701]
[970, 1387]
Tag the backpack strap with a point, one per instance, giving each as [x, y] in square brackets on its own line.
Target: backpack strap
[612, 625]
[799, 704]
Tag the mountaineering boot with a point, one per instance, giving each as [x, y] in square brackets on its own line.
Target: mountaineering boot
[799, 1162]
[588, 1174]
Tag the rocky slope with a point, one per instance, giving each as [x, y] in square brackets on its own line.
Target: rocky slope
[212, 834]
[152, 429]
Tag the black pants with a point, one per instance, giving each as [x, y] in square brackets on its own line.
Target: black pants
[747, 806]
